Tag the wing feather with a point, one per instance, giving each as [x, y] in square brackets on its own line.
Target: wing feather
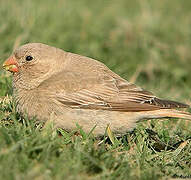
[104, 91]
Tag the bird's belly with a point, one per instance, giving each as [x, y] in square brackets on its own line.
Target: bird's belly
[119, 122]
[67, 118]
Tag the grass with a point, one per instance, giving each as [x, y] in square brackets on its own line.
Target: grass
[147, 42]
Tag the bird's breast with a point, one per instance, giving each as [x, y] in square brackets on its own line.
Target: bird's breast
[37, 103]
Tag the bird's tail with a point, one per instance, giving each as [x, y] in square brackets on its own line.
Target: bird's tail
[169, 113]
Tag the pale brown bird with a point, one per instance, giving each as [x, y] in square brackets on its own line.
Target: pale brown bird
[73, 89]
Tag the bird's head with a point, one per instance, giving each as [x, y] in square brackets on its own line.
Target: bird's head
[34, 62]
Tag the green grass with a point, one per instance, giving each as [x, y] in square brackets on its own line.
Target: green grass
[147, 42]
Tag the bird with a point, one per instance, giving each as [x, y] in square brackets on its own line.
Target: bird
[70, 89]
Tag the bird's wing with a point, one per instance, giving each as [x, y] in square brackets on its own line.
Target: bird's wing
[103, 91]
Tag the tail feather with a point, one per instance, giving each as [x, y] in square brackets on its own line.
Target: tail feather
[179, 114]
[169, 113]
[169, 104]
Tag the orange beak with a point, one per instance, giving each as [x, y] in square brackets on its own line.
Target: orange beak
[11, 65]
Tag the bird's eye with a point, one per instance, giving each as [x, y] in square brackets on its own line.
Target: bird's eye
[29, 58]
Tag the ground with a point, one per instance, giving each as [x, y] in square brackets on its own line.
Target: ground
[146, 42]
